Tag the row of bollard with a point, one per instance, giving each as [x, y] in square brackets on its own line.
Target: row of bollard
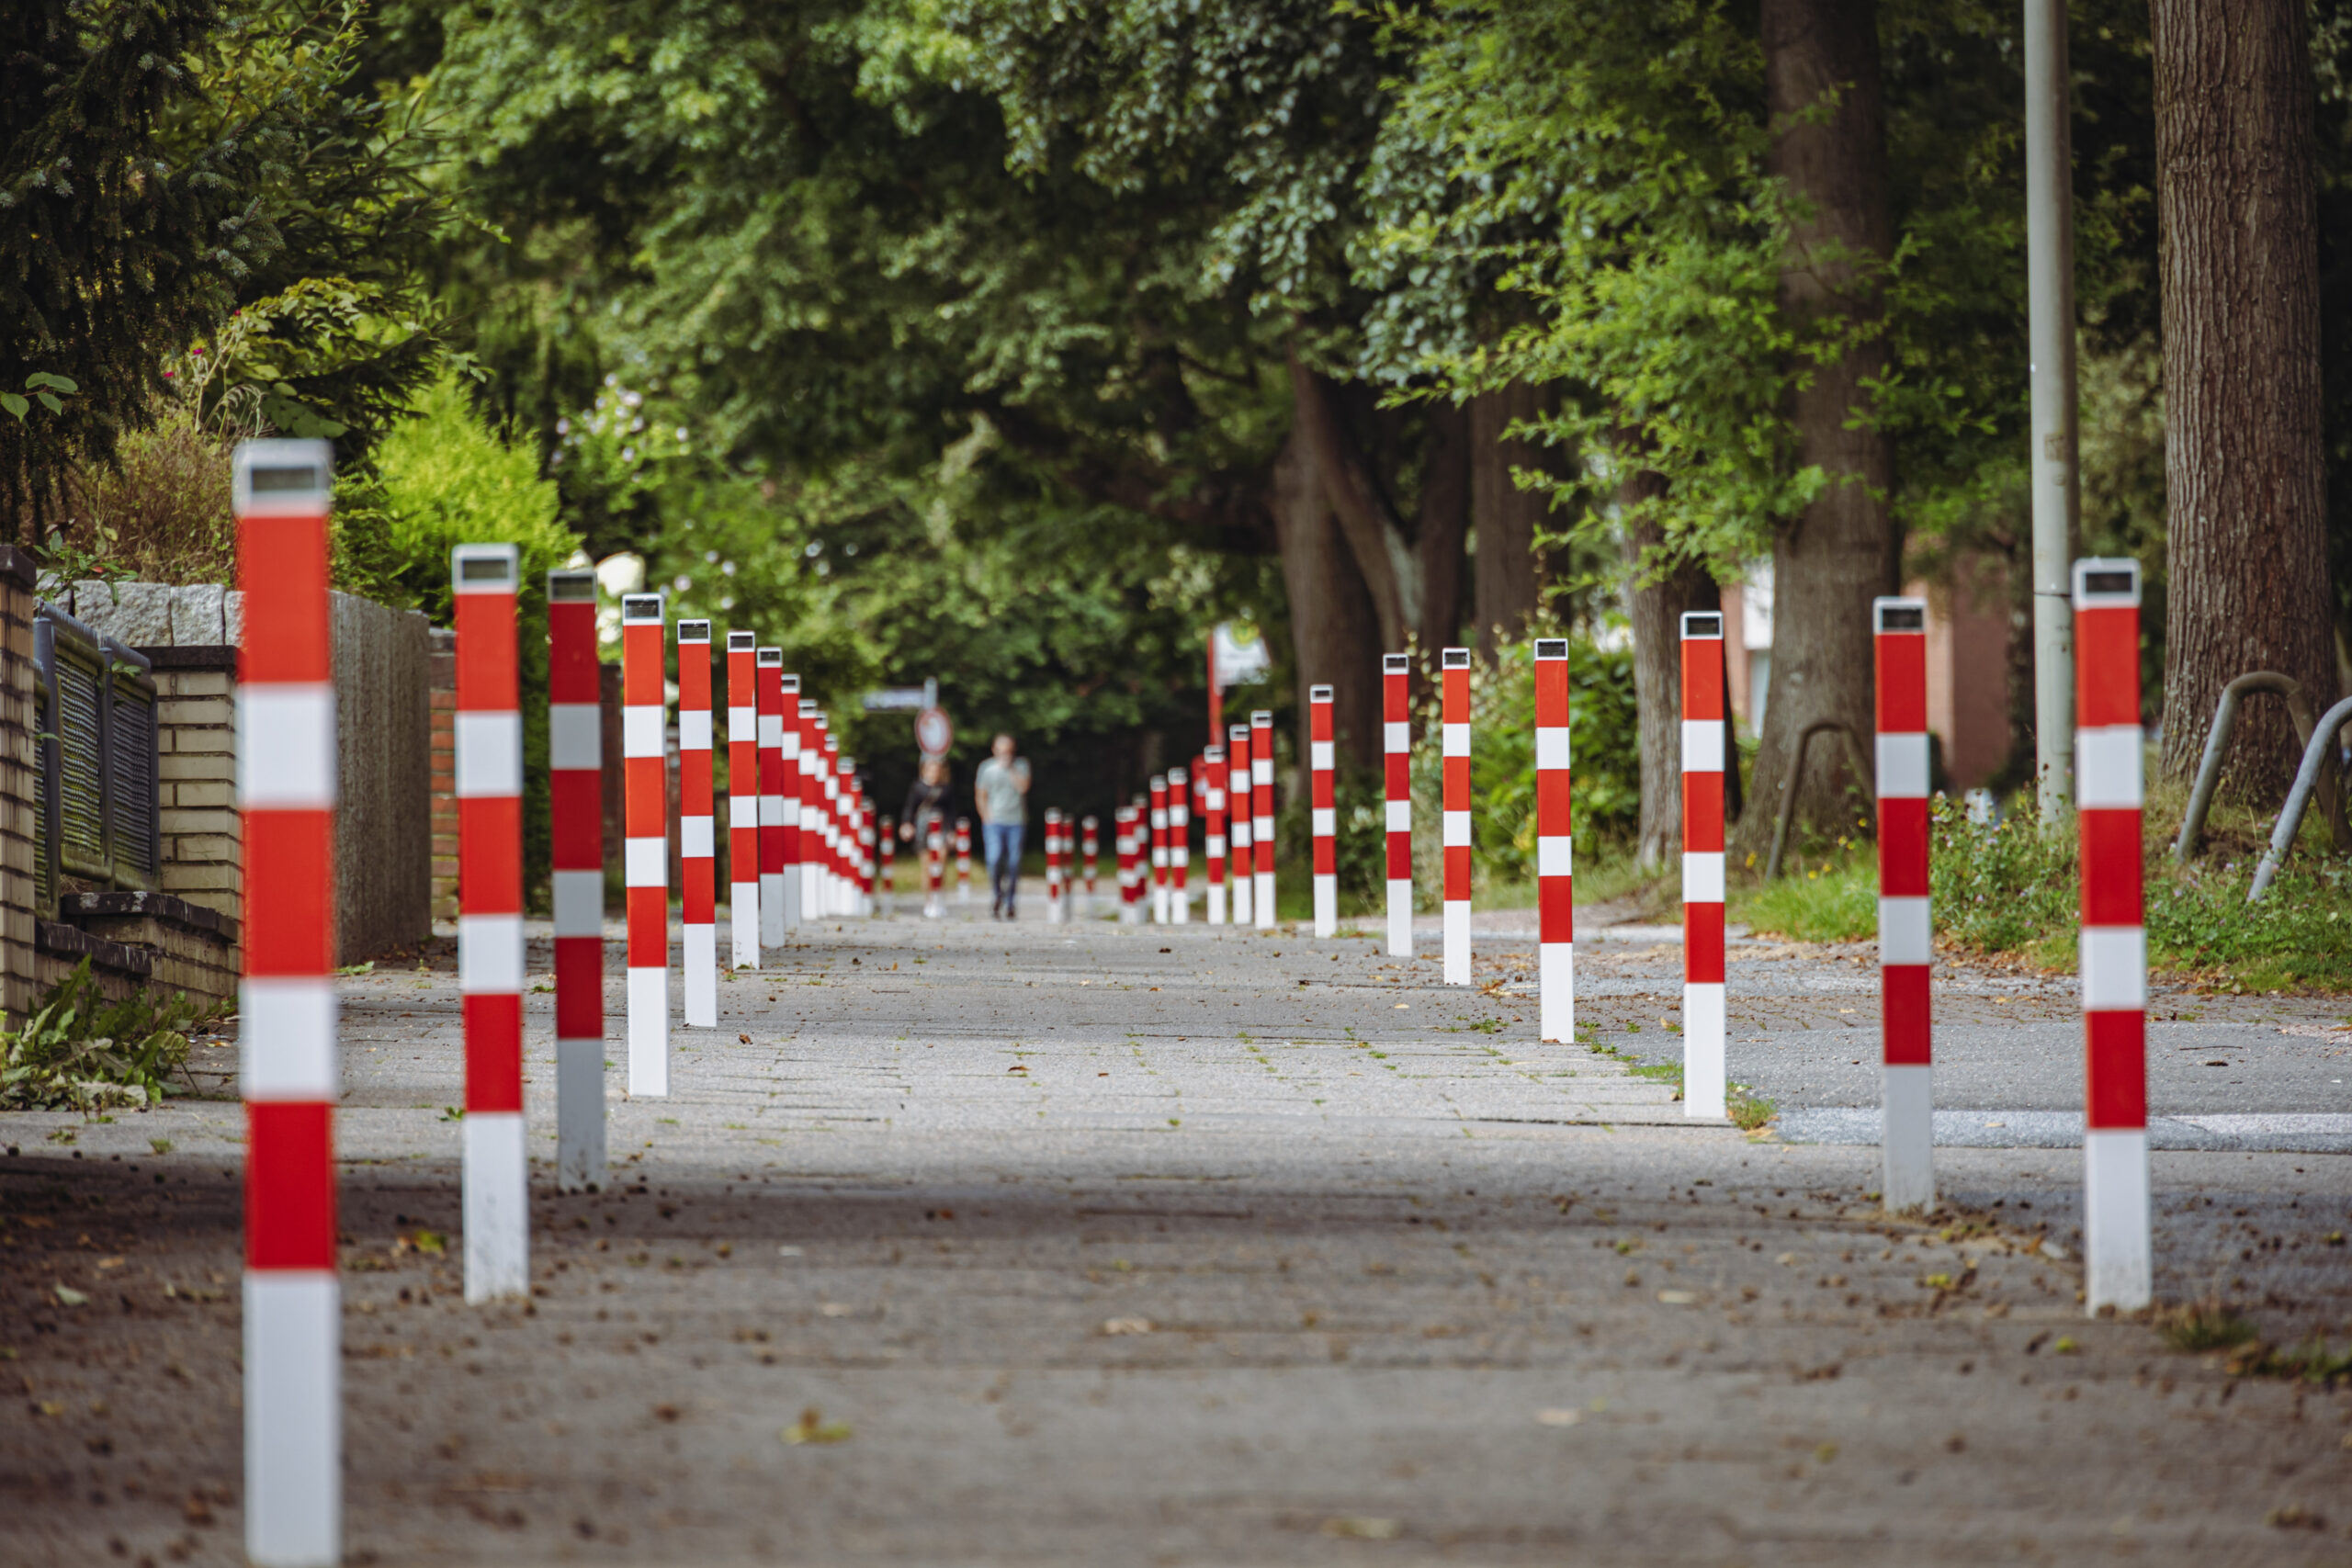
[814, 843]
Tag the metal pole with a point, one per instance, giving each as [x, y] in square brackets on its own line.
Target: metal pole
[2057, 494]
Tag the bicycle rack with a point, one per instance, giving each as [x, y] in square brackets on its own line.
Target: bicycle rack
[1854, 759]
[2217, 740]
[2315, 757]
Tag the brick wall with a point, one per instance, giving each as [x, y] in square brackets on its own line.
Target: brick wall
[195, 741]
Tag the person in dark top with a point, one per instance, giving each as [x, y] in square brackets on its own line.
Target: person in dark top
[927, 802]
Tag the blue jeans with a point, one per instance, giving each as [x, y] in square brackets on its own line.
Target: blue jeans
[1002, 842]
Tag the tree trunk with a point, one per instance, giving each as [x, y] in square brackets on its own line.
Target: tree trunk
[1384, 556]
[1508, 573]
[1658, 611]
[1444, 521]
[2244, 475]
[1335, 634]
[1839, 554]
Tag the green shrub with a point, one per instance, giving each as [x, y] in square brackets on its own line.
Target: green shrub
[81, 1051]
[2008, 887]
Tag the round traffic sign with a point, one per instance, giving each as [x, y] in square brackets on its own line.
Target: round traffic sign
[933, 732]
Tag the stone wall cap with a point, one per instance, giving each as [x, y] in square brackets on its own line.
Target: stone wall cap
[72, 941]
[155, 905]
[202, 656]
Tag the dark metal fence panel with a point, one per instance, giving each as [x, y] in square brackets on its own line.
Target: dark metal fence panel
[78, 681]
[98, 809]
[133, 808]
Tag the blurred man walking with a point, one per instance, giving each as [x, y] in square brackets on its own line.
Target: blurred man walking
[1000, 790]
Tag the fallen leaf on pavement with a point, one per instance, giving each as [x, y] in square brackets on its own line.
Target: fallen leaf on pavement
[1351, 1528]
[1558, 1417]
[68, 1297]
[1126, 1325]
[812, 1427]
[1677, 1298]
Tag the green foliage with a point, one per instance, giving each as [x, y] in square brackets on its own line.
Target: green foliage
[115, 247]
[2010, 888]
[445, 479]
[80, 1052]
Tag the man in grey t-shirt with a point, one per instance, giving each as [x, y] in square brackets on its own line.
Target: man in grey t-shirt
[999, 790]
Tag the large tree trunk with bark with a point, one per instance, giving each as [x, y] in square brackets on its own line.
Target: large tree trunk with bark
[1376, 536]
[1659, 605]
[1443, 527]
[2245, 475]
[1334, 631]
[1841, 553]
[1507, 574]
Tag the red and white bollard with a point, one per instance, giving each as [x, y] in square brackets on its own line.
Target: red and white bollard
[1555, 982]
[1213, 767]
[576, 822]
[1322, 810]
[697, 829]
[1090, 845]
[962, 859]
[885, 863]
[861, 840]
[821, 841]
[745, 909]
[1057, 911]
[778, 908]
[1703, 1087]
[804, 788]
[845, 820]
[1159, 916]
[2119, 1264]
[289, 1071]
[869, 848]
[1453, 717]
[1238, 830]
[1262, 808]
[1397, 747]
[1124, 820]
[1906, 942]
[935, 846]
[490, 919]
[1179, 845]
[646, 828]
